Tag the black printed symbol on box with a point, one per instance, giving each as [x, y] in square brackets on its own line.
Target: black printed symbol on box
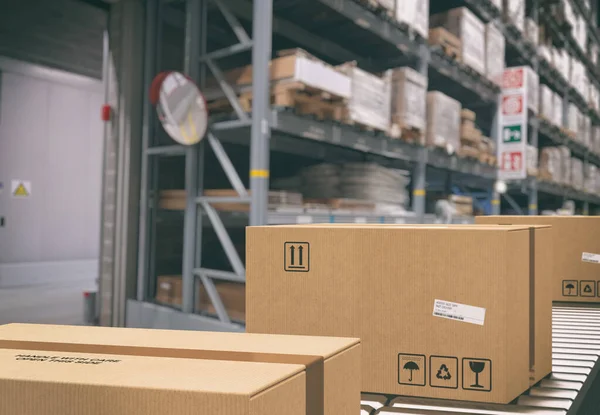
[412, 369]
[587, 289]
[477, 374]
[598, 289]
[570, 288]
[296, 256]
[443, 372]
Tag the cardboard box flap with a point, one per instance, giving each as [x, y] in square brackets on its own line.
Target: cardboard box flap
[54, 382]
[323, 347]
[469, 227]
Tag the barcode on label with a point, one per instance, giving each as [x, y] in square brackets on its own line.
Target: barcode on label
[459, 312]
[589, 257]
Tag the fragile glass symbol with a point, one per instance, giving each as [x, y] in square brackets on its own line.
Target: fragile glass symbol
[477, 368]
[411, 366]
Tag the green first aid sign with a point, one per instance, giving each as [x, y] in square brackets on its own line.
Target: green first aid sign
[512, 134]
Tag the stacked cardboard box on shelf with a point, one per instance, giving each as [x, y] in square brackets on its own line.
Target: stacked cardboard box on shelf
[370, 98]
[592, 179]
[546, 106]
[414, 13]
[514, 13]
[572, 127]
[487, 151]
[555, 165]
[532, 160]
[577, 173]
[558, 110]
[156, 372]
[233, 296]
[443, 122]
[574, 272]
[494, 53]
[462, 23]
[470, 135]
[533, 89]
[532, 31]
[483, 310]
[408, 111]
[565, 160]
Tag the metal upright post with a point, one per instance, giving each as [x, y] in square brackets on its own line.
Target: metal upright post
[261, 130]
[419, 172]
[191, 68]
[147, 134]
[495, 136]
[533, 187]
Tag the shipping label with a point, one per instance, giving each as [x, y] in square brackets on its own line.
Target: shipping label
[459, 312]
[589, 257]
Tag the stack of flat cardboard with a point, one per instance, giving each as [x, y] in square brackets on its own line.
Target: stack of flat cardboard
[452, 312]
[96, 370]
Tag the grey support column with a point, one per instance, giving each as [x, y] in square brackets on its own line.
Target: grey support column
[420, 169]
[261, 130]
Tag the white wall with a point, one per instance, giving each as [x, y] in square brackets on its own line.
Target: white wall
[51, 135]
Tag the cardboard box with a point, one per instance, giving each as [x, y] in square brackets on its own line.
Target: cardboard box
[56, 382]
[461, 22]
[533, 88]
[443, 121]
[577, 173]
[370, 101]
[327, 369]
[358, 282]
[494, 53]
[576, 259]
[514, 13]
[546, 107]
[532, 31]
[558, 110]
[409, 89]
[415, 13]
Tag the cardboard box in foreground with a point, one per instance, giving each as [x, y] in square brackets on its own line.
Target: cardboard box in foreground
[441, 311]
[199, 364]
[576, 259]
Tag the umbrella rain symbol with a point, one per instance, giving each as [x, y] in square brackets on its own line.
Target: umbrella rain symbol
[569, 287]
[411, 366]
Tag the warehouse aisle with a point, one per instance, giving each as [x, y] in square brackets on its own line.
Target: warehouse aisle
[60, 302]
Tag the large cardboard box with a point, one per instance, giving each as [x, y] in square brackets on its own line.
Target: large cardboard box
[441, 310]
[443, 121]
[576, 259]
[415, 13]
[55, 382]
[408, 110]
[464, 24]
[328, 368]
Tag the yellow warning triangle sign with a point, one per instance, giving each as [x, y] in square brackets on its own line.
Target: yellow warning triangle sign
[21, 191]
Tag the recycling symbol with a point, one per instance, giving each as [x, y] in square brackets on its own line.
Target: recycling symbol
[443, 373]
[587, 289]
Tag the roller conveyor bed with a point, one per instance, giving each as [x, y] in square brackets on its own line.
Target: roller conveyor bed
[573, 388]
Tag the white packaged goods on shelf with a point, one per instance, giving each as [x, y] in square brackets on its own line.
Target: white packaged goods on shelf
[497, 4]
[370, 101]
[550, 165]
[591, 178]
[514, 12]
[596, 139]
[577, 173]
[409, 89]
[594, 53]
[494, 52]
[532, 160]
[414, 13]
[532, 31]
[387, 4]
[573, 118]
[580, 32]
[594, 97]
[299, 66]
[443, 121]
[558, 110]
[565, 164]
[533, 88]
[546, 107]
[570, 15]
[462, 23]
[584, 132]
[546, 53]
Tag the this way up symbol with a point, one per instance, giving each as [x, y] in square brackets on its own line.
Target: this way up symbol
[293, 257]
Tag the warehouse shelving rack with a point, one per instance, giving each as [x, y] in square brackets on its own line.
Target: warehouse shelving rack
[270, 129]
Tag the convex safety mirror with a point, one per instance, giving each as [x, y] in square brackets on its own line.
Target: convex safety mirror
[181, 107]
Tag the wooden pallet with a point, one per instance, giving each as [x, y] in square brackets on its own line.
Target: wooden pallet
[571, 134]
[449, 44]
[302, 98]
[469, 152]
[406, 133]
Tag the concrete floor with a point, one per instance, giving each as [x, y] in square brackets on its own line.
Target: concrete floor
[58, 302]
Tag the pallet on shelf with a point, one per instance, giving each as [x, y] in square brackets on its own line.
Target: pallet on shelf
[385, 7]
[449, 43]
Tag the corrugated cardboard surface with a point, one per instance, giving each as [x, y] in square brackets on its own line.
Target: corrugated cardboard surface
[340, 356]
[380, 283]
[52, 383]
[572, 236]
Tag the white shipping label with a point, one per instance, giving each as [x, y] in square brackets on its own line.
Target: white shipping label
[588, 257]
[460, 312]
